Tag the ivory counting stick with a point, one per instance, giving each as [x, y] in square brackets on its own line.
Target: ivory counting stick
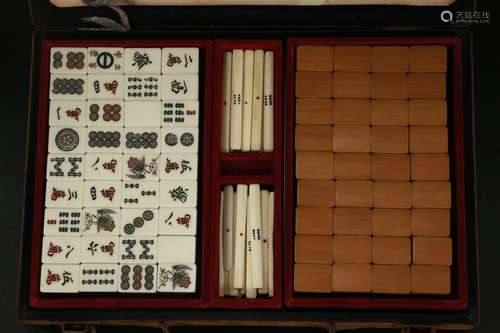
[264, 206]
[239, 241]
[222, 279]
[226, 102]
[226, 282]
[250, 290]
[258, 90]
[227, 231]
[268, 109]
[270, 255]
[233, 291]
[246, 132]
[236, 99]
[255, 237]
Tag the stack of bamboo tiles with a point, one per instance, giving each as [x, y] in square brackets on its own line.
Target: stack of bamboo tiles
[372, 168]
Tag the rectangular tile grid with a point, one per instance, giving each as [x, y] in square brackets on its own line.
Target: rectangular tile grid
[372, 170]
[122, 171]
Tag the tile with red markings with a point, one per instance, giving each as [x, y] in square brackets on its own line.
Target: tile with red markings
[63, 222]
[56, 278]
[102, 193]
[176, 166]
[99, 249]
[67, 140]
[140, 166]
[177, 278]
[101, 221]
[67, 113]
[105, 86]
[105, 60]
[180, 59]
[68, 60]
[180, 113]
[103, 166]
[60, 250]
[107, 113]
[177, 221]
[64, 194]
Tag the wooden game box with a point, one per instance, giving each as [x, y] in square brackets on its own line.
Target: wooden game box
[278, 29]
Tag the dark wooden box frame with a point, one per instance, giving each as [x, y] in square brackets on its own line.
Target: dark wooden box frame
[467, 317]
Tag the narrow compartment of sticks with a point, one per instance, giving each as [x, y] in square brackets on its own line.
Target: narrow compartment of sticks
[247, 244]
[247, 105]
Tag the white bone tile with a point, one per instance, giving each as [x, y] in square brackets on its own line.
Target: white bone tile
[102, 193]
[68, 87]
[99, 249]
[180, 113]
[180, 60]
[103, 166]
[67, 113]
[140, 194]
[142, 87]
[68, 60]
[179, 140]
[60, 250]
[177, 278]
[142, 60]
[178, 193]
[175, 166]
[139, 222]
[105, 86]
[67, 140]
[176, 249]
[138, 249]
[142, 114]
[106, 113]
[99, 277]
[142, 140]
[137, 278]
[66, 167]
[179, 87]
[177, 221]
[56, 278]
[63, 222]
[104, 139]
[101, 221]
[140, 166]
[64, 194]
[105, 60]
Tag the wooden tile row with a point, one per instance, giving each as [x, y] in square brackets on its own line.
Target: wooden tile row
[375, 139]
[424, 58]
[378, 194]
[377, 221]
[370, 85]
[319, 249]
[384, 279]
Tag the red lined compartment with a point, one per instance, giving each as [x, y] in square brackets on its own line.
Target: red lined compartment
[120, 300]
[458, 298]
[246, 168]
